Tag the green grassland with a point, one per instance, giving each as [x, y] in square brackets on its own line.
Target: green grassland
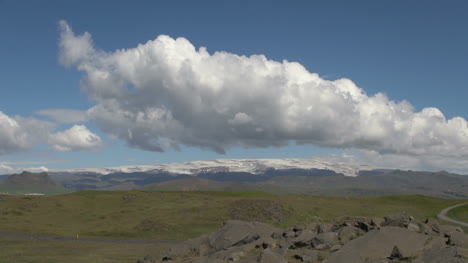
[45, 251]
[27, 190]
[181, 215]
[459, 213]
[168, 216]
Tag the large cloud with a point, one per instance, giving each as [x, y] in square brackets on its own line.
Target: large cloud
[77, 138]
[166, 92]
[18, 134]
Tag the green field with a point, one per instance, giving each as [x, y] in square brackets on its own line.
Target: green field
[180, 215]
[169, 216]
[43, 251]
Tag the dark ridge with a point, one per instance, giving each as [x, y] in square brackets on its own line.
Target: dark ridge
[235, 177]
[301, 172]
[78, 186]
[375, 172]
[30, 179]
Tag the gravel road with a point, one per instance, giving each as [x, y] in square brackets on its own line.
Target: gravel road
[443, 215]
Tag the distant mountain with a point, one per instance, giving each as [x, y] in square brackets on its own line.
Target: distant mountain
[27, 182]
[196, 184]
[440, 184]
[396, 182]
[226, 170]
[304, 176]
[120, 180]
[250, 166]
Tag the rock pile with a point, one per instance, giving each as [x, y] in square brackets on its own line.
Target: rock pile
[396, 238]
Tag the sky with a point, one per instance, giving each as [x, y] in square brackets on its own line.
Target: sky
[110, 83]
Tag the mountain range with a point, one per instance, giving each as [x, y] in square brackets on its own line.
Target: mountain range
[279, 176]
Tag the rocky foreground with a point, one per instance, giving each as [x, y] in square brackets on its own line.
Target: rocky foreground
[396, 238]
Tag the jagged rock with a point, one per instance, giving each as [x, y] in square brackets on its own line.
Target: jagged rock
[364, 226]
[324, 227]
[239, 241]
[236, 256]
[378, 261]
[268, 242]
[378, 244]
[433, 224]
[236, 233]
[307, 256]
[322, 246]
[293, 232]
[277, 234]
[199, 245]
[289, 233]
[347, 233]
[396, 254]
[179, 250]
[303, 240]
[376, 222]
[444, 229]
[262, 245]
[269, 256]
[458, 239]
[413, 227]
[283, 247]
[438, 252]
[312, 226]
[328, 239]
[335, 248]
[298, 230]
[427, 230]
[149, 258]
[205, 249]
[399, 220]
[208, 260]
[362, 223]
[232, 254]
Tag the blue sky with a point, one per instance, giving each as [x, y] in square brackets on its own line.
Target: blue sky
[409, 50]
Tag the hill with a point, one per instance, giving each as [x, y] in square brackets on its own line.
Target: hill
[196, 184]
[27, 182]
[439, 184]
[180, 215]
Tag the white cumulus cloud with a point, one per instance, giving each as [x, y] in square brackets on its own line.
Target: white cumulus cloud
[5, 169]
[19, 134]
[77, 138]
[166, 93]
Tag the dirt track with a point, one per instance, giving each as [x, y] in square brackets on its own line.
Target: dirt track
[443, 215]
